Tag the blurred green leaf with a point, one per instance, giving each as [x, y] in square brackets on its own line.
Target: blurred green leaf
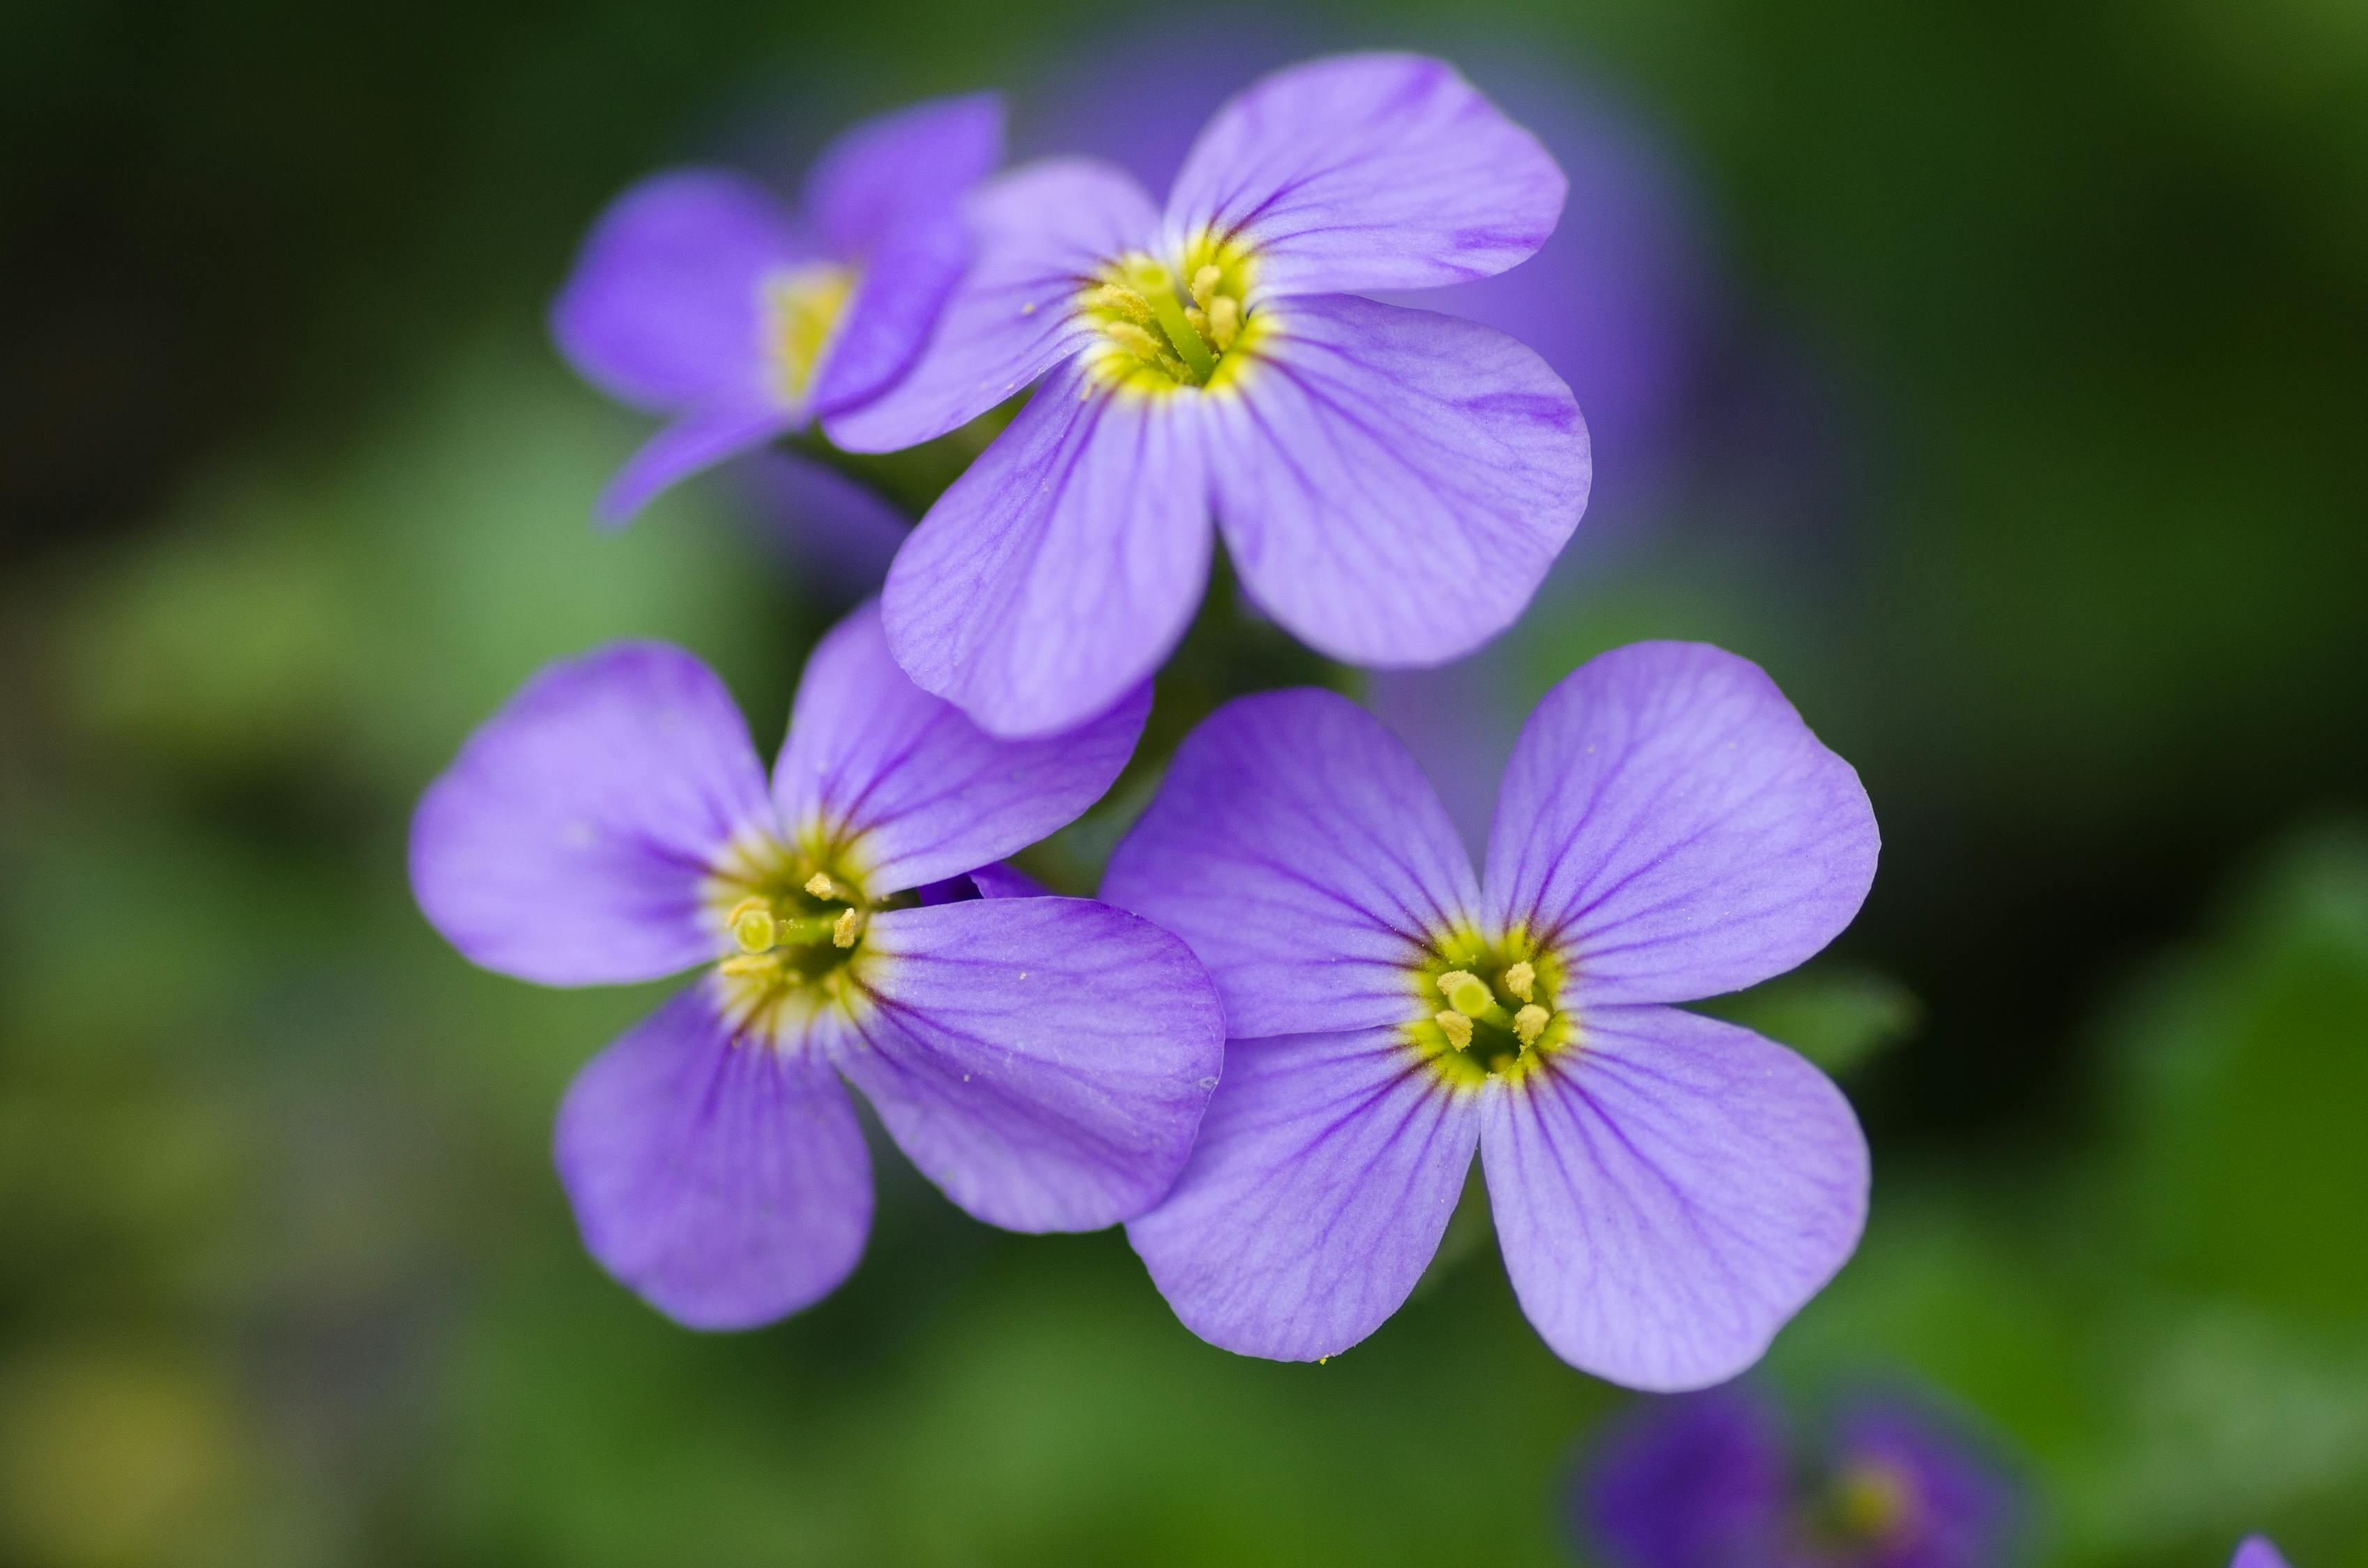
[1836, 1016]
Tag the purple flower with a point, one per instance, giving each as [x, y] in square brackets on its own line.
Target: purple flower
[2257, 1552]
[1392, 483]
[700, 296]
[1043, 1060]
[1668, 1189]
[1707, 1481]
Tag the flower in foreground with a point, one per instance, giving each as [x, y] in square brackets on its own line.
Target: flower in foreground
[700, 296]
[1668, 1188]
[1392, 483]
[1043, 1060]
[1708, 1481]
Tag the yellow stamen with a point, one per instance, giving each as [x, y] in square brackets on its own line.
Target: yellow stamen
[1455, 1026]
[1224, 320]
[1468, 994]
[1135, 341]
[821, 886]
[1521, 980]
[748, 964]
[1530, 1023]
[751, 922]
[846, 929]
[1204, 283]
[1126, 302]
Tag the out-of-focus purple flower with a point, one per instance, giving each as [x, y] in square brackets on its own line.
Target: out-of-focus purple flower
[2257, 1552]
[1045, 1060]
[1392, 483]
[837, 532]
[1668, 1189]
[1708, 1481]
[701, 297]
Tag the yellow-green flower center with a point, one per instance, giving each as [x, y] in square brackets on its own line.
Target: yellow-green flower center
[803, 309]
[794, 921]
[1868, 1504]
[1488, 1007]
[1167, 325]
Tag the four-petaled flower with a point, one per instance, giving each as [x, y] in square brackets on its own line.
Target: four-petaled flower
[1708, 1481]
[1043, 1060]
[700, 296]
[1392, 483]
[1668, 1188]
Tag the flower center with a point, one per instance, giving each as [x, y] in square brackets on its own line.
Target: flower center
[1869, 1503]
[1486, 1007]
[794, 922]
[802, 307]
[1163, 326]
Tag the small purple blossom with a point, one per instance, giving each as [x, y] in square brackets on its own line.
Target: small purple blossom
[1668, 1188]
[700, 296]
[1392, 483]
[2257, 1552]
[1708, 1481]
[1045, 1060]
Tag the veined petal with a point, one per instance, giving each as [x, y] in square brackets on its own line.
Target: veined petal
[701, 437]
[1327, 1168]
[915, 791]
[1670, 819]
[569, 840]
[725, 1183]
[1298, 848]
[888, 196]
[1368, 171]
[1669, 1192]
[1038, 236]
[884, 173]
[666, 304]
[1045, 1060]
[1393, 483]
[1054, 575]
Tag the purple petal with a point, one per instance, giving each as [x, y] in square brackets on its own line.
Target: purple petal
[1326, 1171]
[836, 531]
[1045, 1060]
[725, 1183]
[911, 164]
[918, 790]
[1368, 171]
[699, 439]
[1393, 483]
[1669, 1192]
[1698, 1482]
[2257, 1552]
[1038, 236]
[888, 195]
[1060, 569]
[1297, 847]
[999, 880]
[569, 841]
[1670, 819]
[1959, 1510]
[664, 306]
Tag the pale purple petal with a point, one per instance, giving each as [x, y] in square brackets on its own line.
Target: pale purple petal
[1326, 1171]
[1393, 483]
[917, 790]
[666, 304]
[700, 438]
[725, 1182]
[1045, 1060]
[1671, 822]
[569, 840]
[1057, 572]
[1298, 848]
[1000, 881]
[2257, 1552]
[1669, 1192]
[888, 195]
[1039, 235]
[1368, 171]
[909, 164]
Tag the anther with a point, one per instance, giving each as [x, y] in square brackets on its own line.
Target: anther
[748, 964]
[1225, 320]
[1134, 340]
[1204, 284]
[1124, 301]
[1455, 1026]
[1521, 980]
[751, 922]
[1530, 1023]
[846, 929]
[821, 886]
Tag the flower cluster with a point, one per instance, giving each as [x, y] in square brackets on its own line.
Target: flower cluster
[1276, 1044]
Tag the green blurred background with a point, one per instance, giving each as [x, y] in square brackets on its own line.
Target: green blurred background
[2054, 519]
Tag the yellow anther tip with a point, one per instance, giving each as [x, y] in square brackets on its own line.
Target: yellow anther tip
[820, 885]
[1204, 283]
[1455, 1026]
[1521, 978]
[846, 929]
[1530, 1023]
